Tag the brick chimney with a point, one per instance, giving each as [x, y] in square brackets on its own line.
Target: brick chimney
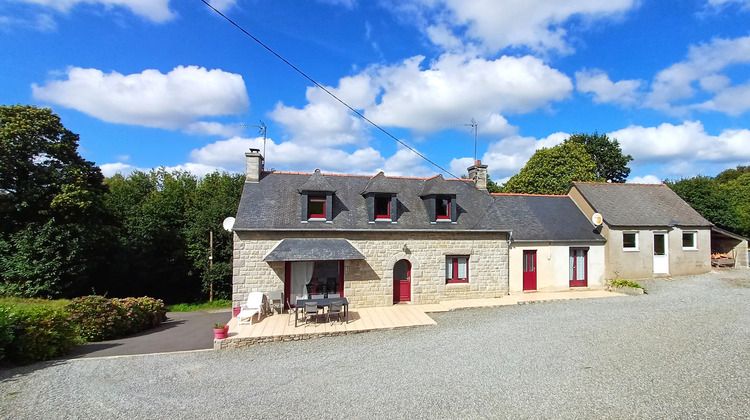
[253, 165]
[478, 173]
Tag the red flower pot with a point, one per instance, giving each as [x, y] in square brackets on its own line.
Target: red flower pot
[236, 311]
[221, 332]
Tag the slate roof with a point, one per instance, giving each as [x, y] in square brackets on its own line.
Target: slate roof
[313, 249]
[274, 203]
[545, 218]
[634, 205]
[316, 182]
[380, 184]
[436, 185]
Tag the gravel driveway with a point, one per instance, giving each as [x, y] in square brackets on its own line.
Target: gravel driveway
[679, 352]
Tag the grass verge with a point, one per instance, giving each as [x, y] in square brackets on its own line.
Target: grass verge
[200, 306]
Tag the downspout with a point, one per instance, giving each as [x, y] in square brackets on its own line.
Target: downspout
[510, 240]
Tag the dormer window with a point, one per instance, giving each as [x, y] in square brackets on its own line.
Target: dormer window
[443, 208]
[316, 206]
[316, 196]
[383, 207]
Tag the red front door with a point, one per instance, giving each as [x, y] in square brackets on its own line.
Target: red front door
[402, 281]
[577, 267]
[529, 270]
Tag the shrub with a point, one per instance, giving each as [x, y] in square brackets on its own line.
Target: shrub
[99, 318]
[6, 329]
[39, 333]
[626, 283]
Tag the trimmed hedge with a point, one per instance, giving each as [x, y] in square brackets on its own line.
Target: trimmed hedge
[37, 333]
[98, 318]
[34, 333]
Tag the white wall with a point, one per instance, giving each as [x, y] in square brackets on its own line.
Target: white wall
[552, 265]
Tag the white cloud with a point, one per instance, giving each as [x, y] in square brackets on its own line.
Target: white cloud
[176, 100]
[597, 82]
[349, 4]
[674, 87]
[647, 179]
[325, 121]
[685, 149]
[720, 3]
[229, 155]
[456, 88]
[223, 5]
[154, 10]
[406, 163]
[109, 169]
[498, 24]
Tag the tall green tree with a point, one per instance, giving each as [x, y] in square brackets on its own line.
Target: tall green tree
[553, 170]
[709, 198]
[215, 198]
[611, 163]
[53, 230]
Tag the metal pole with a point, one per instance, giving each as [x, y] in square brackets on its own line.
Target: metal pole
[211, 266]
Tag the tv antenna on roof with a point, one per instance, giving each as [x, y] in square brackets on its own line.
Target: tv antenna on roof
[474, 127]
[262, 130]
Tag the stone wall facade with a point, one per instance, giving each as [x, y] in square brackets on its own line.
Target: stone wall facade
[369, 282]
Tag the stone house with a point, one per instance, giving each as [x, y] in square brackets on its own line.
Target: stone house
[376, 240]
[650, 230]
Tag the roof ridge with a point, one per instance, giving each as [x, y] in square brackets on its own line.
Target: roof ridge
[421, 178]
[619, 183]
[530, 195]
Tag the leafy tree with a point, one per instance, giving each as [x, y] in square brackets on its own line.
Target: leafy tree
[732, 174]
[215, 198]
[553, 170]
[611, 164]
[52, 225]
[709, 199]
[492, 186]
[738, 190]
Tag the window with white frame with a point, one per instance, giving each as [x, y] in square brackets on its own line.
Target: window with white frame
[630, 241]
[688, 240]
[457, 269]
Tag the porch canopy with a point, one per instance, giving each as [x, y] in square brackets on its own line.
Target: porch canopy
[313, 249]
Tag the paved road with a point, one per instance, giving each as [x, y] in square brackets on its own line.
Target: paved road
[679, 352]
[182, 331]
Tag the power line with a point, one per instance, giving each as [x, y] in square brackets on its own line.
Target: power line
[359, 114]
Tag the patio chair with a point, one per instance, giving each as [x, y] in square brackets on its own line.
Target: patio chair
[311, 311]
[276, 301]
[291, 310]
[336, 309]
[253, 306]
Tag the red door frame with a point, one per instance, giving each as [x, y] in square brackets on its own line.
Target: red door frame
[585, 281]
[401, 287]
[529, 270]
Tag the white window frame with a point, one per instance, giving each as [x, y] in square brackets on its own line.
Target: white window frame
[695, 240]
[637, 241]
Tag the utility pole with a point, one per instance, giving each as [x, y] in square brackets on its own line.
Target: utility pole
[211, 266]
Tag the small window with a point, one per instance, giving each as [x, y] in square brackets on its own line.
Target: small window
[630, 241]
[383, 208]
[456, 269]
[688, 240]
[316, 207]
[443, 208]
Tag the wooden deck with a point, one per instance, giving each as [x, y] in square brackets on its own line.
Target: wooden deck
[280, 327]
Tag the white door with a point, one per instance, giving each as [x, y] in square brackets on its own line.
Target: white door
[661, 253]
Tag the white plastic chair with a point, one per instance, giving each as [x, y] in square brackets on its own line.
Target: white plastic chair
[253, 306]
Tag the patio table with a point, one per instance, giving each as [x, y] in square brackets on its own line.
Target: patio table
[322, 304]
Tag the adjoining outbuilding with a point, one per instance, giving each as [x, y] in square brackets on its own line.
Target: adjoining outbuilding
[650, 230]
[553, 245]
[728, 249]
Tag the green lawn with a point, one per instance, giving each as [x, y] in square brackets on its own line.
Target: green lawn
[189, 307]
[28, 303]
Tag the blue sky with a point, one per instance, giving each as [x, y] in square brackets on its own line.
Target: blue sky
[150, 83]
